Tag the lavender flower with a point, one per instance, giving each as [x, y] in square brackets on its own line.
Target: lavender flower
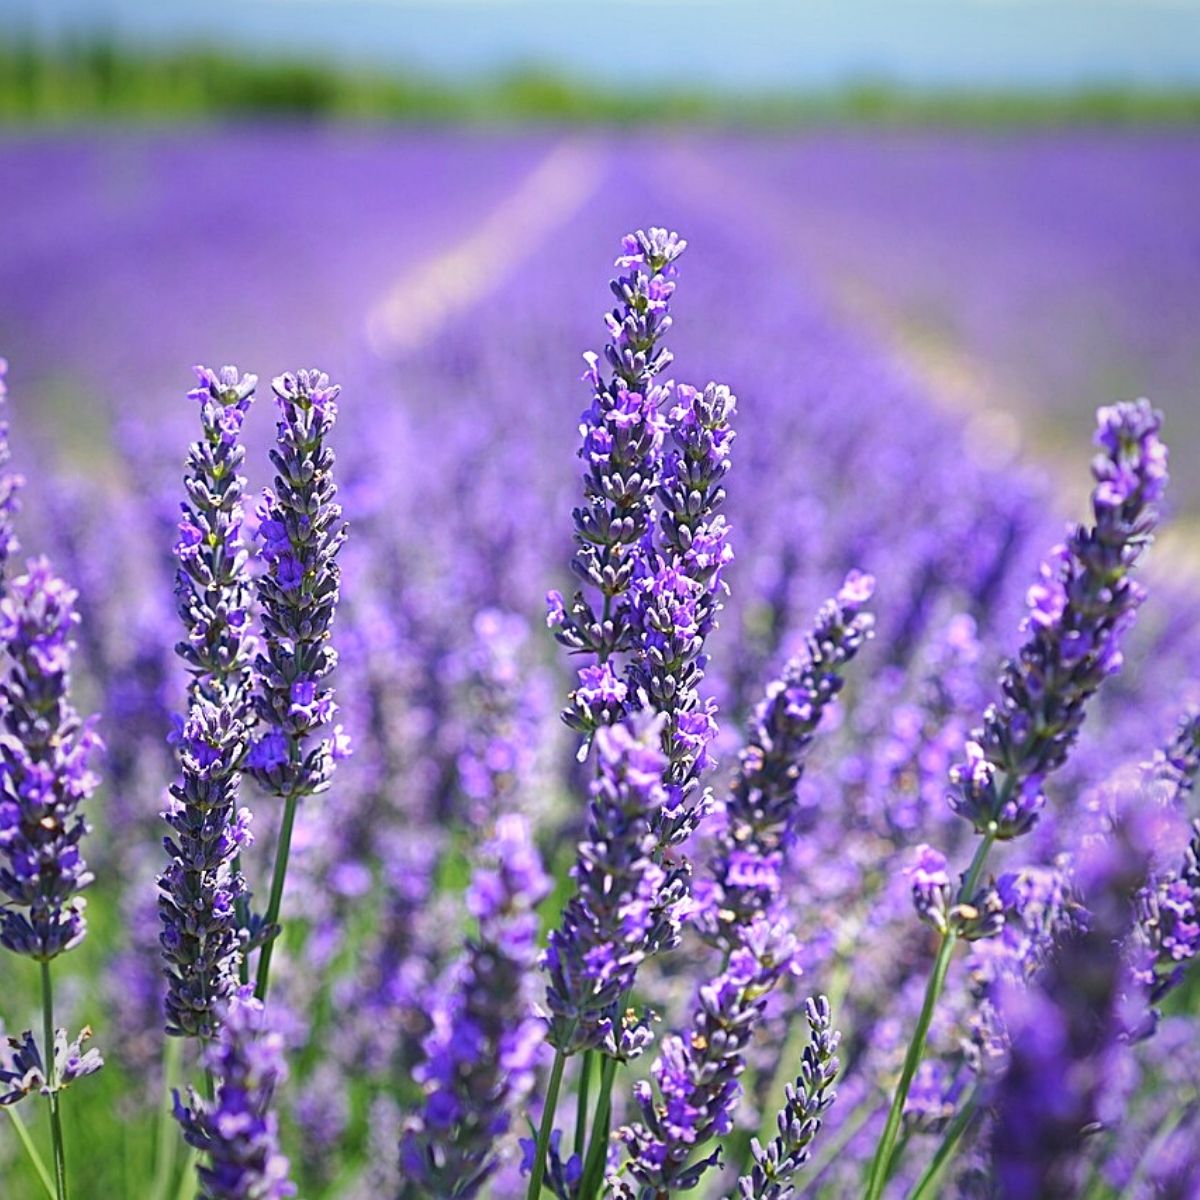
[622, 449]
[1168, 916]
[199, 890]
[695, 1077]
[799, 1121]
[678, 593]
[301, 531]
[1078, 611]
[212, 584]
[593, 956]
[10, 485]
[481, 1052]
[44, 756]
[23, 1072]
[761, 810]
[237, 1131]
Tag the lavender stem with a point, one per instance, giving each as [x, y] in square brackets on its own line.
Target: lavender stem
[543, 1141]
[275, 901]
[60, 1160]
[30, 1149]
[881, 1163]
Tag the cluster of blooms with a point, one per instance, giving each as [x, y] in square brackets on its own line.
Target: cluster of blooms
[44, 752]
[799, 1121]
[696, 1076]
[761, 810]
[480, 1053]
[202, 893]
[301, 530]
[1079, 610]
[593, 957]
[237, 1130]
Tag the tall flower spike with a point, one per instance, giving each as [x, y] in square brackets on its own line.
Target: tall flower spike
[10, 485]
[481, 1054]
[237, 1131]
[799, 1121]
[761, 808]
[199, 890]
[44, 771]
[678, 594]
[695, 1078]
[212, 582]
[1079, 610]
[622, 434]
[301, 531]
[593, 956]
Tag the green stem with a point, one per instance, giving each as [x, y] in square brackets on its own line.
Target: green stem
[30, 1149]
[954, 1131]
[166, 1138]
[581, 1106]
[56, 1134]
[188, 1184]
[881, 1163]
[271, 917]
[593, 1167]
[547, 1127]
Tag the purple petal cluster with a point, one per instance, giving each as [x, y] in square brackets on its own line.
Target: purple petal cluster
[761, 810]
[678, 594]
[301, 532]
[201, 886]
[592, 958]
[22, 1071]
[694, 1087]
[1079, 609]
[212, 585]
[481, 1052]
[622, 434]
[237, 1130]
[799, 1121]
[45, 752]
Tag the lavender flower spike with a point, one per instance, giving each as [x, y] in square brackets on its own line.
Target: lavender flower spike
[237, 1131]
[212, 582]
[44, 771]
[201, 886]
[1078, 611]
[761, 808]
[622, 449]
[696, 1077]
[800, 1120]
[10, 485]
[594, 955]
[480, 1056]
[301, 531]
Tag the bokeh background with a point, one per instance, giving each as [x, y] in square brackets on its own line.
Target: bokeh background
[927, 239]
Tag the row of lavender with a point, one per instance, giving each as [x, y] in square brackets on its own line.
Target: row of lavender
[794, 877]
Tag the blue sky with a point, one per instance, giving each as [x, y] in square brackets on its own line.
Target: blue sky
[744, 44]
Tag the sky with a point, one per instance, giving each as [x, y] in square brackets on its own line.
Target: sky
[746, 45]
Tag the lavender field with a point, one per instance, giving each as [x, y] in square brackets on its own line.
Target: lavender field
[776, 787]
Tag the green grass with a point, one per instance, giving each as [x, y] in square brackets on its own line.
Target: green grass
[100, 80]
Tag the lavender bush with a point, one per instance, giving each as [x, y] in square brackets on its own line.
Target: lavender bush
[779, 905]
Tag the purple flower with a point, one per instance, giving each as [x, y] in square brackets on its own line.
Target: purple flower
[212, 584]
[762, 808]
[593, 956]
[301, 532]
[200, 889]
[10, 485]
[799, 1121]
[481, 1052]
[1079, 610]
[45, 751]
[237, 1131]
